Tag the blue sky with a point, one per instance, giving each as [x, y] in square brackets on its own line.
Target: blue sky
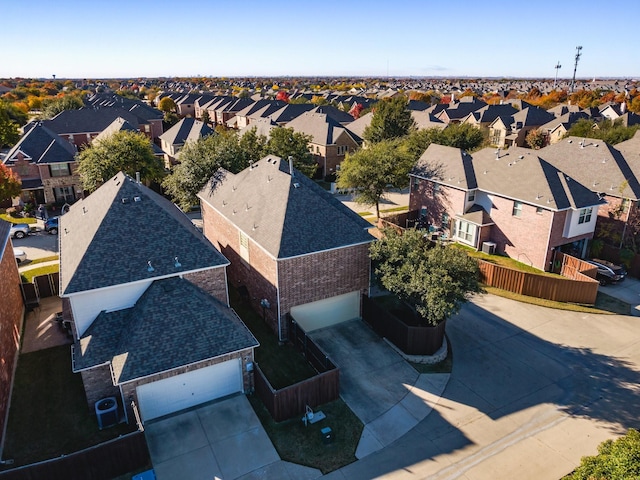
[151, 38]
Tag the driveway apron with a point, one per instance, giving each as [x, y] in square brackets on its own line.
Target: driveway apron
[222, 440]
[381, 388]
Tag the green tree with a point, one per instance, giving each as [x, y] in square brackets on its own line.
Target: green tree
[11, 112]
[126, 151]
[458, 135]
[391, 119]
[170, 119]
[285, 143]
[606, 130]
[205, 117]
[10, 184]
[200, 160]
[167, 105]
[435, 281]
[52, 107]
[619, 459]
[373, 171]
[9, 133]
[535, 139]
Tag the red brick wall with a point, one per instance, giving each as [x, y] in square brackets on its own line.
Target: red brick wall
[322, 275]
[213, 281]
[301, 280]
[11, 315]
[446, 200]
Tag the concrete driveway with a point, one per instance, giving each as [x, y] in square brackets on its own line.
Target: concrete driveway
[383, 390]
[39, 244]
[532, 391]
[218, 440]
[628, 291]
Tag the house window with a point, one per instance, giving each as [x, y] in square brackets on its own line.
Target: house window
[585, 215]
[59, 169]
[445, 219]
[465, 232]
[495, 137]
[539, 210]
[436, 187]
[517, 209]
[64, 194]
[423, 212]
[471, 196]
[416, 183]
[342, 149]
[147, 128]
[244, 247]
[624, 205]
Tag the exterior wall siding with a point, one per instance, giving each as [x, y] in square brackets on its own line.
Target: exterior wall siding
[11, 315]
[446, 200]
[98, 384]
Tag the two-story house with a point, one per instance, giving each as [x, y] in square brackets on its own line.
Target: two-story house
[513, 202]
[147, 298]
[293, 247]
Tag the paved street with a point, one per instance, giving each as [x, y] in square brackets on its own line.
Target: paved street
[39, 244]
[531, 392]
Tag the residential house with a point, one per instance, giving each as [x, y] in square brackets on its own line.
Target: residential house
[185, 105]
[484, 116]
[557, 129]
[11, 315]
[186, 130]
[456, 111]
[147, 297]
[81, 126]
[149, 118]
[255, 110]
[425, 120]
[46, 163]
[294, 248]
[340, 116]
[512, 131]
[262, 126]
[225, 113]
[359, 124]
[330, 141]
[513, 202]
[289, 112]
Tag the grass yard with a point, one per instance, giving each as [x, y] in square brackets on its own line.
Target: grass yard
[504, 261]
[51, 258]
[10, 219]
[34, 272]
[283, 365]
[303, 445]
[49, 415]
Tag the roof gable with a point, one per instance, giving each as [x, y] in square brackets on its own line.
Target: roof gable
[109, 237]
[287, 215]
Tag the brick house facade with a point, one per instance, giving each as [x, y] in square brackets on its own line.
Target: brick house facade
[272, 262]
[11, 316]
[482, 198]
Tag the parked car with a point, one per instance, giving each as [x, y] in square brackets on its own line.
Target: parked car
[20, 230]
[608, 272]
[51, 225]
[20, 255]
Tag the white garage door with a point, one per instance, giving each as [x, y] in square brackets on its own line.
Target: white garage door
[324, 313]
[183, 391]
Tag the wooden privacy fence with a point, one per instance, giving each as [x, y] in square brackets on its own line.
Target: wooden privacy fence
[313, 353]
[292, 401]
[582, 289]
[412, 340]
[102, 462]
[42, 286]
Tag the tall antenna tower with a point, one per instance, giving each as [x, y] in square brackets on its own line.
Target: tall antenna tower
[578, 54]
[557, 67]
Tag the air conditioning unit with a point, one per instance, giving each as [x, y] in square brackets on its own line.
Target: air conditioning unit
[489, 247]
[107, 412]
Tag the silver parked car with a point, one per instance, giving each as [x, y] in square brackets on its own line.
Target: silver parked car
[20, 255]
[20, 230]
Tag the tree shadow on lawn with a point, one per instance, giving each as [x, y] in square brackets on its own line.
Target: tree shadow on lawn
[520, 356]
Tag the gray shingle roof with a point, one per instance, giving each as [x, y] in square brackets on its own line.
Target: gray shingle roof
[517, 173]
[88, 120]
[105, 241]
[174, 323]
[118, 125]
[187, 129]
[286, 215]
[323, 128]
[43, 147]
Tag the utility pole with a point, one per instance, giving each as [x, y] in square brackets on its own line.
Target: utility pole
[557, 67]
[578, 54]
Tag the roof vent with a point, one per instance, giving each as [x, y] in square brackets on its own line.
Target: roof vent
[176, 263]
[604, 160]
[150, 267]
[521, 157]
[296, 185]
[570, 141]
[137, 199]
[84, 210]
[485, 172]
[125, 199]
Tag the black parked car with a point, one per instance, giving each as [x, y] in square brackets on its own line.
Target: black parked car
[608, 272]
[51, 225]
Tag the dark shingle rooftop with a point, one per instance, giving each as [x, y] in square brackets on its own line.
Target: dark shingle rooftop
[109, 237]
[43, 146]
[174, 323]
[286, 215]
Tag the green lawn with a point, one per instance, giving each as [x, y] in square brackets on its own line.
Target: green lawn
[283, 365]
[10, 219]
[34, 272]
[504, 261]
[51, 258]
[303, 445]
[49, 415]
